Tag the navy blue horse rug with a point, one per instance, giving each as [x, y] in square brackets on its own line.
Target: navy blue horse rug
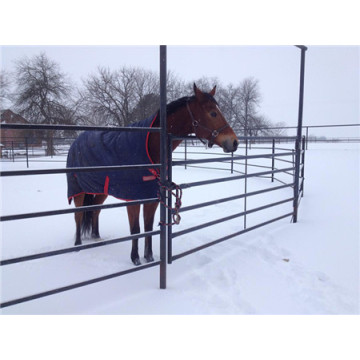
[113, 148]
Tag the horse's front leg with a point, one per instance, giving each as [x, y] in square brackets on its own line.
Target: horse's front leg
[133, 214]
[149, 213]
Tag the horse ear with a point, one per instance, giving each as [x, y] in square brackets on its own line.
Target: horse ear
[197, 92]
[212, 92]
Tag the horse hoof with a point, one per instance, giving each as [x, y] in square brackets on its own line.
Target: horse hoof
[149, 258]
[76, 245]
[136, 261]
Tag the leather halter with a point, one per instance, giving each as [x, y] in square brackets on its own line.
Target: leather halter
[196, 124]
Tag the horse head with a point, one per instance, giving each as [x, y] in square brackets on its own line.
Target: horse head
[209, 123]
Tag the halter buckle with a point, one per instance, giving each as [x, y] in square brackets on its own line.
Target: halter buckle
[215, 134]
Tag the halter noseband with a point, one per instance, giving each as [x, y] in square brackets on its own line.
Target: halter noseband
[196, 124]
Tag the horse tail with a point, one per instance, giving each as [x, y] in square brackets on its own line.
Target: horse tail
[86, 224]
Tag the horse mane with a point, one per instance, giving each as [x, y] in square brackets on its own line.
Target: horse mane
[175, 105]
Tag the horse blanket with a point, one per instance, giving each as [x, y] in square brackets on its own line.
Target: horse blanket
[113, 148]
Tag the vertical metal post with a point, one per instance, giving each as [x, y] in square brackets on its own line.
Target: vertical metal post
[299, 132]
[52, 150]
[303, 166]
[185, 153]
[27, 152]
[12, 151]
[273, 160]
[307, 137]
[163, 156]
[232, 162]
[169, 201]
[246, 171]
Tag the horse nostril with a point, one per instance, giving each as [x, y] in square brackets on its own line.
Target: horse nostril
[235, 145]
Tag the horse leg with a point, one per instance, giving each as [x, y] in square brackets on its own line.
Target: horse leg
[133, 214]
[78, 201]
[98, 200]
[149, 213]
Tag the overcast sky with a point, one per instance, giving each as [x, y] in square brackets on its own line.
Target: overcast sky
[331, 81]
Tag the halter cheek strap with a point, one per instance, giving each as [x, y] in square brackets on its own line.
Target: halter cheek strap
[196, 124]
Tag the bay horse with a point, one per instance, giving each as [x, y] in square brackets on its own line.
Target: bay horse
[198, 114]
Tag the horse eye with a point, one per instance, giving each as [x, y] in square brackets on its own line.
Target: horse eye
[213, 114]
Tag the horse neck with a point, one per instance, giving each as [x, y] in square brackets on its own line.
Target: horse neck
[177, 124]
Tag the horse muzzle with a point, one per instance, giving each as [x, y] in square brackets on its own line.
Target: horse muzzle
[230, 145]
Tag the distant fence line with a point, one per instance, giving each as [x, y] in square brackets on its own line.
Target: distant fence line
[23, 148]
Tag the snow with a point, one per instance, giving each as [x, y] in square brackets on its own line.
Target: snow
[311, 267]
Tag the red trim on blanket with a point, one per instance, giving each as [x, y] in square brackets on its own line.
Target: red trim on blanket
[71, 197]
[106, 186]
[149, 178]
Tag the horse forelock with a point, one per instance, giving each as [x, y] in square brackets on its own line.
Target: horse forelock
[210, 98]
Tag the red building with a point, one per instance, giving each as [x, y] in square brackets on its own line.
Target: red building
[15, 137]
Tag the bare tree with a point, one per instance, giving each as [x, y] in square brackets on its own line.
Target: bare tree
[277, 129]
[250, 100]
[43, 93]
[5, 84]
[123, 96]
[110, 96]
[146, 106]
[102, 100]
[146, 94]
[230, 103]
[42, 90]
[175, 87]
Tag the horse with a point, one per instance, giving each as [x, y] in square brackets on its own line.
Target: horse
[198, 114]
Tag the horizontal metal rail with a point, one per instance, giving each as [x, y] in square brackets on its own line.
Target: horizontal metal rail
[210, 168]
[227, 218]
[188, 252]
[232, 178]
[77, 248]
[284, 160]
[224, 159]
[77, 127]
[241, 138]
[304, 126]
[77, 285]
[75, 210]
[253, 165]
[76, 169]
[232, 198]
[198, 153]
[285, 149]
[266, 138]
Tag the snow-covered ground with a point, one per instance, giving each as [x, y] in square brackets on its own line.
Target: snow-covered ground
[311, 267]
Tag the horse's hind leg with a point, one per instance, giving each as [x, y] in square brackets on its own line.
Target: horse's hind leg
[149, 213]
[98, 200]
[133, 214]
[78, 201]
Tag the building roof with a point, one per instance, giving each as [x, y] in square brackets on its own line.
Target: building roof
[9, 117]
